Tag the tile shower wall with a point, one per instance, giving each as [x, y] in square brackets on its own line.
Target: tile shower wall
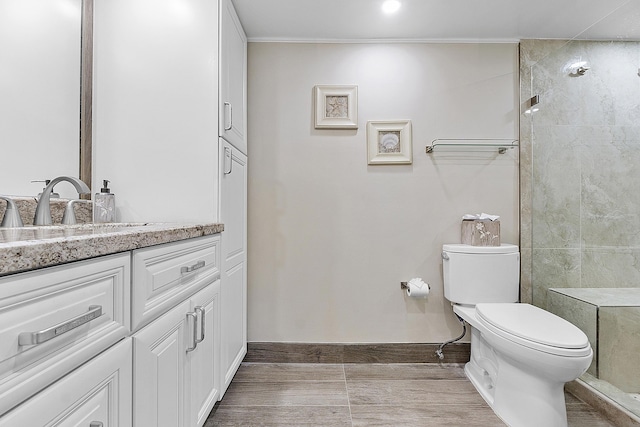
[580, 204]
[579, 167]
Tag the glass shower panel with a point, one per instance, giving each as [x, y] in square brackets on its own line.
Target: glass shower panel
[585, 202]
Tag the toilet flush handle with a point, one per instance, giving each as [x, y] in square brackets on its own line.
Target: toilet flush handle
[445, 256]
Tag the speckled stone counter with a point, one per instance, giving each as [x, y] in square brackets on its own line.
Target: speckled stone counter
[29, 248]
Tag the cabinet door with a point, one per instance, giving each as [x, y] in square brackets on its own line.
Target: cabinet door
[233, 286]
[233, 54]
[234, 322]
[97, 393]
[203, 375]
[159, 363]
[56, 318]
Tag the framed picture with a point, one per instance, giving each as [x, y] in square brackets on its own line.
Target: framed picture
[336, 107]
[389, 142]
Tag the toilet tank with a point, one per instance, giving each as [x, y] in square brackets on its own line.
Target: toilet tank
[476, 274]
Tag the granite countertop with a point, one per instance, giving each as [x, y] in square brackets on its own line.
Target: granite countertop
[29, 248]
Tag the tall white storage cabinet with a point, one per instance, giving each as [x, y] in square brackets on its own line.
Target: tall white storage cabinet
[233, 291]
[233, 192]
[233, 77]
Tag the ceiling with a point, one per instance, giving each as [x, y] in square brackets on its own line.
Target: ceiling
[439, 20]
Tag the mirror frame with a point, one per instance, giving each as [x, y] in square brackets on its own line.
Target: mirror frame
[86, 94]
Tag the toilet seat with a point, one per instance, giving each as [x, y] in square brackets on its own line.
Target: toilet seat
[533, 327]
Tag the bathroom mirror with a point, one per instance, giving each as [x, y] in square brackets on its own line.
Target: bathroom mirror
[40, 82]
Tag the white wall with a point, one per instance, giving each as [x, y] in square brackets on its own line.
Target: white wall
[330, 238]
[155, 107]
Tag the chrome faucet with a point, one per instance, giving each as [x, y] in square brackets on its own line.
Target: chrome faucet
[43, 210]
[11, 214]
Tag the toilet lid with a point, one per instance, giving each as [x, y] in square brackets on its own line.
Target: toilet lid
[534, 327]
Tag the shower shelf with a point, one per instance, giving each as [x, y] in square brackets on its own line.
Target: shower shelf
[472, 143]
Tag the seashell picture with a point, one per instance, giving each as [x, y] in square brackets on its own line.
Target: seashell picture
[389, 142]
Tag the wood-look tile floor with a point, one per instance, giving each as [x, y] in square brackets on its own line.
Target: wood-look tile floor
[292, 394]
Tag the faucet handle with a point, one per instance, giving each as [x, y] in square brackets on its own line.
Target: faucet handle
[11, 214]
[46, 181]
[69, 216]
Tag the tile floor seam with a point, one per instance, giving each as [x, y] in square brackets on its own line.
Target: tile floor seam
[287, 405]
[290, 381]
[346, 387]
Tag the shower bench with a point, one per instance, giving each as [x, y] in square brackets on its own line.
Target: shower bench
[610, 317]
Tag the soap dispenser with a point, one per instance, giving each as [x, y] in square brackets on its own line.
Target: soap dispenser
[104, 205]
[54, 195]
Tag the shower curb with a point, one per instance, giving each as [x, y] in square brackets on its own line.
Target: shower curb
[606, 406]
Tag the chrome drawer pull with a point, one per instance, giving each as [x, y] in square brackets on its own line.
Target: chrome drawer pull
[96, 424]
[193, 268]
[32, 338]
[198, 309]
[194, 337]
[227, 158]
[230, 115]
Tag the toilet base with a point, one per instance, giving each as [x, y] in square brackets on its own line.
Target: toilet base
[520, 400]
[518, 396]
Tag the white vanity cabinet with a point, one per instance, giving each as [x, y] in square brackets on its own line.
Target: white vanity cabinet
[97, 394]
[55, 319]
[129, 339]
[176, 297]
[232, 78]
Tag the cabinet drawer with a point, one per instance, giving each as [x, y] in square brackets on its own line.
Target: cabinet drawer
[167, 274]
[97, 393]
[53, 320]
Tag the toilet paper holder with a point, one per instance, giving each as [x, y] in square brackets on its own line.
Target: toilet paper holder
[405, 285]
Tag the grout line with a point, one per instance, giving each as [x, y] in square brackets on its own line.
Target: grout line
[346, 386]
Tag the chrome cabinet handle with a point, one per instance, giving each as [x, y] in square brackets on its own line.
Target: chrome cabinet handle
[200, 310]
[192, 268]
[32, 338]
[194, 335]
[228, 160]
[230, 115]
[96, 424]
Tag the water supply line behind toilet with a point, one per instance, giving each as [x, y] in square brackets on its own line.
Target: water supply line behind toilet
[439, 352]
[417, 288]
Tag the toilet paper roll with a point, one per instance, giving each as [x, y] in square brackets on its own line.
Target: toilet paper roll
[417, 288]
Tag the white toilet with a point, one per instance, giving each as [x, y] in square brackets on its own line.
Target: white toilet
[521, 355]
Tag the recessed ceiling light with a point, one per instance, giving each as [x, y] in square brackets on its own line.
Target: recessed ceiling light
[390, 6]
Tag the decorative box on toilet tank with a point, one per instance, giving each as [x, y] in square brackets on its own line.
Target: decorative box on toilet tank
[476, 232]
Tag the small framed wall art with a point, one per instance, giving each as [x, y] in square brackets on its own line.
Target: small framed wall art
[389, 142]
[336, 107]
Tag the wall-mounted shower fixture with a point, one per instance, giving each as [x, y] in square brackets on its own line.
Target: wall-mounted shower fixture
[531, 104]
[578, 68]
